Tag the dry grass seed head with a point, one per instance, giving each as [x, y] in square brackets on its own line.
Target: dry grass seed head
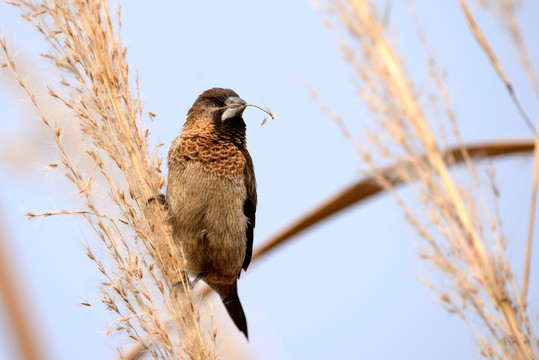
[466, 251]
[95, 89]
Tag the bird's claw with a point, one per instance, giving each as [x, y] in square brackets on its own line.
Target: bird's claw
[161, 199]
[190, 283]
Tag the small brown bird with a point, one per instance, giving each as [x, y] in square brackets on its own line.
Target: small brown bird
[211, 195]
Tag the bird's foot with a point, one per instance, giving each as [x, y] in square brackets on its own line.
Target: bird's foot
[161, 199]
[190, 283]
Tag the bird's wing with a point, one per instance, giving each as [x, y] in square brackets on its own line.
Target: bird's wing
[249, 207]
[175, 152]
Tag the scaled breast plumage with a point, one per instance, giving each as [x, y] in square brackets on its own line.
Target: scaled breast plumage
[217, 158]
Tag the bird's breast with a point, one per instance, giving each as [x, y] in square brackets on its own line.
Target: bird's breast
[221, 159]
[207, 217]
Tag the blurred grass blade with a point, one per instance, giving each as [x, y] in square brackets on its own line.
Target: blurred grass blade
[135, 352]
[531, 222]
[19, 318]
[494, 61]
[483, 42]
[368, 187]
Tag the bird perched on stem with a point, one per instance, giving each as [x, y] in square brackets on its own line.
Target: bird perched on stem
[211, 195]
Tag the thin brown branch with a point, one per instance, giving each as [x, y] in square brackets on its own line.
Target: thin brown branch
[369, 187]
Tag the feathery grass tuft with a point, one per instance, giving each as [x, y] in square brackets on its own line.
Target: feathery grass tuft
[459, 222]
[138, 257]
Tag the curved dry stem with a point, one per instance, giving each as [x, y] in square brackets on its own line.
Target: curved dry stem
[369, 186]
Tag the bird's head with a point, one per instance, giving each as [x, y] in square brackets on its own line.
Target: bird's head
[215, 108]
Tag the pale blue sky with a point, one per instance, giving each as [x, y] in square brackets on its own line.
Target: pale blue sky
[347, 289]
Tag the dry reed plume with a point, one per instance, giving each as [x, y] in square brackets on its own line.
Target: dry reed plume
[460, 223]
[141, 260]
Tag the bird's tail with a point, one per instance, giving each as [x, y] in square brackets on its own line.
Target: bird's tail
[229, 296]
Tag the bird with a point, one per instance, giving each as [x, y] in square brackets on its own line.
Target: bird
[211, 195]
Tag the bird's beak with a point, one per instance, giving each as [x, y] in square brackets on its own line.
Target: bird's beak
[235, 107]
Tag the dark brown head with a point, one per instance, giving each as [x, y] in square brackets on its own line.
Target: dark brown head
[217, 110]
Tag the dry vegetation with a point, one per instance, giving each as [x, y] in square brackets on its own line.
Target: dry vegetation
[141, 261]
[459, 223]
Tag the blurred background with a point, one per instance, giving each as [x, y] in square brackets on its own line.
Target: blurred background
[347, 288]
